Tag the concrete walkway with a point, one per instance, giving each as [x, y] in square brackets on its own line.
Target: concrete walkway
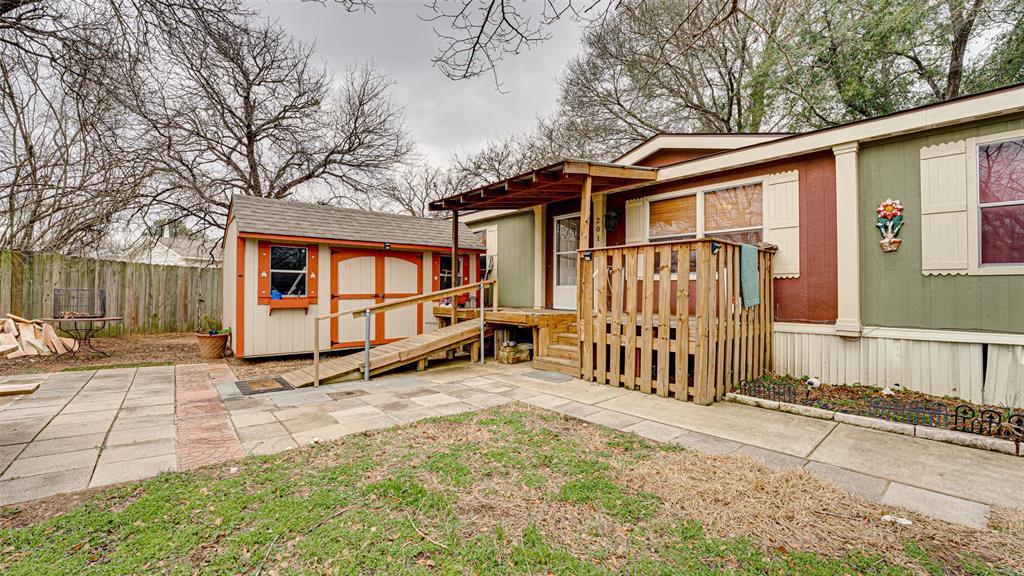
[950, 482]
[84, 429]
[94, 428]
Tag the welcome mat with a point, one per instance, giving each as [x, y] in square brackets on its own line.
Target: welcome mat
[262, 386]
[555, 377]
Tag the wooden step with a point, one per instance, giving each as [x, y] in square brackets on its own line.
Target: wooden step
[564, 351]
[570, 338]
[561, 365]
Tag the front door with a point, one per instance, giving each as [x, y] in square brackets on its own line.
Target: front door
[564, 245]
[366, 277]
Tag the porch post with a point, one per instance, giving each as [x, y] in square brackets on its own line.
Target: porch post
[584, 314]
[847, 252]
[539, 246]
[456, 276]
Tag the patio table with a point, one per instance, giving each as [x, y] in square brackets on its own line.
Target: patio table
[83, 329]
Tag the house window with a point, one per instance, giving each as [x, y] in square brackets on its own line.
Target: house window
[288, 271]
[1001, 202]
[733, 213]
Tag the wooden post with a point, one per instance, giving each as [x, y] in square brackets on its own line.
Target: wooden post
[456, 276]
[584, 288]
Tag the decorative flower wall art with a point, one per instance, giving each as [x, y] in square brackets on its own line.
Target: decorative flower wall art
[890, 220]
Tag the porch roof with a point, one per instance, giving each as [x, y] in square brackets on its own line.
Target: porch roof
[551, 183]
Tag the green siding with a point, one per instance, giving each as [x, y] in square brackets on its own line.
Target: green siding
[515, 258]
[894, 292]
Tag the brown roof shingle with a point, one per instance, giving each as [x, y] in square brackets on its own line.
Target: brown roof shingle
[283, 217]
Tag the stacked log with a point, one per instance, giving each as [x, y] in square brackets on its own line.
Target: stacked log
[20, 337]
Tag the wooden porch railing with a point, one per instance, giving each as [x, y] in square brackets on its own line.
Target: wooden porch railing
[369, 311]
[690, 337]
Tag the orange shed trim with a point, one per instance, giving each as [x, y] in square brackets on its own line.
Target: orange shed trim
[239, 335]
[352, 243]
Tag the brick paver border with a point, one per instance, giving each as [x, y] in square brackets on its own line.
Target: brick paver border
[205, 433]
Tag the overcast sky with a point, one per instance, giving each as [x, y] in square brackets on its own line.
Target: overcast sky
[444, 116]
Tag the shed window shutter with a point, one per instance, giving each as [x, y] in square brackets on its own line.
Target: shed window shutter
[635, 222]
[944, 230]
[782, 221]
[263, 273]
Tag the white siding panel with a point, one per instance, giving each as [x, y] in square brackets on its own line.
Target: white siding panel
[229, 280]
[938, 368]
[1004, 378]
[944, 229]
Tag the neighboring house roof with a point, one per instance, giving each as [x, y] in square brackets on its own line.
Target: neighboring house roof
[254, 215]
[191, 248]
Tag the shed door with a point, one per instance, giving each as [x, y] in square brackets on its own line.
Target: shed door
[366, 277]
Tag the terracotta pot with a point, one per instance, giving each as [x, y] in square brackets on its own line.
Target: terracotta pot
[212, 345]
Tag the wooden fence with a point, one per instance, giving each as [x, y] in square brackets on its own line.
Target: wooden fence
[691, 339]
[151, 298]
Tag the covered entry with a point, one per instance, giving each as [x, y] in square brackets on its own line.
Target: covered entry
[366, 277]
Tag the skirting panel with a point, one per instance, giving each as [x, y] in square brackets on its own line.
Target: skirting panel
[937, 368]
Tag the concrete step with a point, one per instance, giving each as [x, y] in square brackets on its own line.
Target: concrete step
[564, 351]
[561, 365]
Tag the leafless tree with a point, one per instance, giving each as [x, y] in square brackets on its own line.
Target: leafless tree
[242, 109]
[410, 189]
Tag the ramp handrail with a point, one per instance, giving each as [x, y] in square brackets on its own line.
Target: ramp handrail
[369, 311]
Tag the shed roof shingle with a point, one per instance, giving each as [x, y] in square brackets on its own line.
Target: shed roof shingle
[283, 217]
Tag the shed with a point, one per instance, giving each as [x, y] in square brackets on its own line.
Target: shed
[285, 263]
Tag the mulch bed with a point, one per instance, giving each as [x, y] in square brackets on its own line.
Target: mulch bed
[856, 399]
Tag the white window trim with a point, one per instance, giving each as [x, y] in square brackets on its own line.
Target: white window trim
[304, 271]
[974, 265]
[699, 192]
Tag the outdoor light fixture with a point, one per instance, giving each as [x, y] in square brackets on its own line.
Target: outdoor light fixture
[588, 255]
[715, 247]
[387, 245]
[611, 220]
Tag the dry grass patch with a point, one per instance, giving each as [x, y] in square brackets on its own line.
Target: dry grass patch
[512, 490]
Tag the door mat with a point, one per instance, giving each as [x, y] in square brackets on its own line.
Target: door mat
[262, 386]
[555, 377]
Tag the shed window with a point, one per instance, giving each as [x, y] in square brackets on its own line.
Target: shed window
[288, 270]
[1001, 202]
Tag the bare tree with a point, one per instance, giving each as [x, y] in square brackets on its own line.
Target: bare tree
[247, 112]
[411, 189]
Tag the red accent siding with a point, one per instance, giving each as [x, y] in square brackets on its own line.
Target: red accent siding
[813, 297]
[667, 156]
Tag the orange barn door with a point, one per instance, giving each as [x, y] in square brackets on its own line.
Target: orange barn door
[362, 277]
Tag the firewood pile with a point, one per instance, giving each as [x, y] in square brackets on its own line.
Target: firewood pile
[20, 337]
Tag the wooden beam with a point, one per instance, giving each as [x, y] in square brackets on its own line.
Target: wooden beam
[585, 210]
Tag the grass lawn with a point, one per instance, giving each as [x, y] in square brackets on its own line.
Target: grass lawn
[512, 490]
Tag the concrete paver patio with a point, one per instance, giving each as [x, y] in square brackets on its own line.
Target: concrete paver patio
[89, 429]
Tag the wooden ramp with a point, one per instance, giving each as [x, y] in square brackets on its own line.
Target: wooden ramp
[390, 356]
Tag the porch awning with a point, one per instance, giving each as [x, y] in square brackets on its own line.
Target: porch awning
[548, 184]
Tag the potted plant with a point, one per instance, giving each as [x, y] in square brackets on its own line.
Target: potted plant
[212, 339]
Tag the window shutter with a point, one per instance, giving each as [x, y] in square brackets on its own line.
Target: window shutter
[782, 221]
[635, 227]
[263, 273]
[944, 230]
[312, 272]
